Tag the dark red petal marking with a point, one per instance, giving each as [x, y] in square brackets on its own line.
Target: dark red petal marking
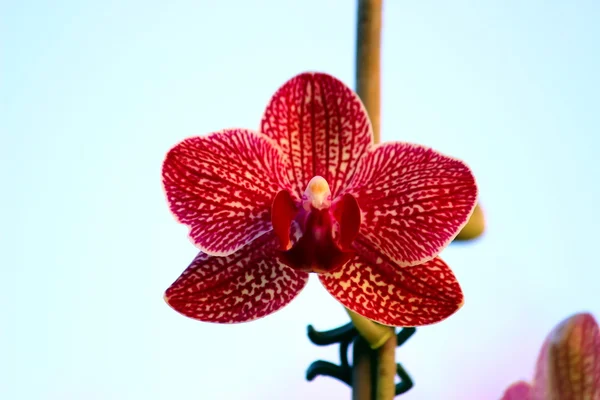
[322, 127]
[222, 186]
[414, 200]
[568, 367]
[374, 287]
[316, 251]
[518, 391]
[283, 212]
[347, 213]
[243, 286]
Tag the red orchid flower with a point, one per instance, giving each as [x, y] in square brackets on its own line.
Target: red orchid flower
[568, 367]
[312, 193]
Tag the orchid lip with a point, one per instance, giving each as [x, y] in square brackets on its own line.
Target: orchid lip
[319, 249]
[316, 250]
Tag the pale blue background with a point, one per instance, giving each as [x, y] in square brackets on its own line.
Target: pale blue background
[93, 93]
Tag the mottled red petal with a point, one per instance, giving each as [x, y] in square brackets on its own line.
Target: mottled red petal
[246, 285]
[222, 186]
[568, 367]
[322, 127]
[373, 286]
[414, 200]
[517, 391]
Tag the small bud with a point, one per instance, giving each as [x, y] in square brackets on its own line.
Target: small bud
[474, 228]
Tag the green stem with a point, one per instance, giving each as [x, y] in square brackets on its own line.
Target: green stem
[368, 59]
[364, 359]
[375, 334]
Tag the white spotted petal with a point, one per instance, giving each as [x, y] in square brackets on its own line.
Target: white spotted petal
[222, 186]
[371, 285]
[414, 200]
[241, 287]
[322, 128]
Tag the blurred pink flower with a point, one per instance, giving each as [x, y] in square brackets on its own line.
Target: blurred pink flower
[568, 367]
[312, 193]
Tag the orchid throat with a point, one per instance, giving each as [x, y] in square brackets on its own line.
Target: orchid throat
[327, 228]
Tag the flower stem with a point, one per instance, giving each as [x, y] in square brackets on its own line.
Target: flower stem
[375, 334]
[386, 370]
[368, 59]
[374, 361]
[364, 361]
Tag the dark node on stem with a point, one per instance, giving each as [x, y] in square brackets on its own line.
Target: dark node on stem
[337, 335]
[405, 383]
[326, 368]
[344, 335]
[404, 335]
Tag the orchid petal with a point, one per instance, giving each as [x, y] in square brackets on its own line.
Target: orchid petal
[568, 366]
[414, 200]
[222, 186]
[517, 391]
[321, 126]
[373, 286]
[241, 287]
